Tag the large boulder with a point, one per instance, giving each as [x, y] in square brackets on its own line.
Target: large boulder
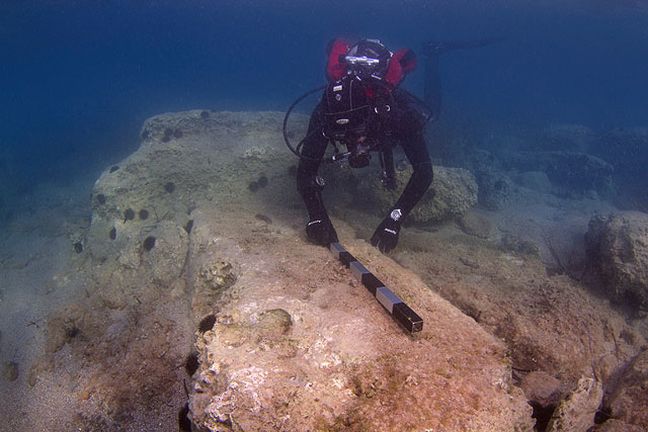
[207, 211]
[535, 180]
[567, 170]
[186, 160]
[629, 400]
[496, 190]
[571, 137]
[627, 150]
[614, 425]
[298, 345]
[617, 248]
[452, 193]
[576, 412]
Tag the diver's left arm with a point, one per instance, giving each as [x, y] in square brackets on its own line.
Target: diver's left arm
[386, 235]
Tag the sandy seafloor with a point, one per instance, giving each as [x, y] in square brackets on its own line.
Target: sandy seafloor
[35, 254]
[41, 272]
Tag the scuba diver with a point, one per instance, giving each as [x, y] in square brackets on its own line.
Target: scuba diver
[363, 110]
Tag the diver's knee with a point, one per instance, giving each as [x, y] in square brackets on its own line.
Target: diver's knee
[308, 183]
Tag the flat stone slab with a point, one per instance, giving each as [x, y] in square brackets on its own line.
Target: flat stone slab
[342, 363]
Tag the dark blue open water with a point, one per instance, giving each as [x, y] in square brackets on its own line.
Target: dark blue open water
[78, 78]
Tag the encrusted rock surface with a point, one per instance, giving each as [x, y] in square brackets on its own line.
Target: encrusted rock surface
[496, 190]
[199, 237]
[617, 247]
[628, 403]
[550, 323]
[299, 345]
[212, 160]
[475, 224]
[452, 193]
[614, 425]
[541, 388]
[577, 411]
[576, 171]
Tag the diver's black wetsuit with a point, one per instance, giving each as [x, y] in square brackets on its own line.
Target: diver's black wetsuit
[402, 125]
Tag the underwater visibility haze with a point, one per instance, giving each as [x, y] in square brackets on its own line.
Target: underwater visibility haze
[154, 257]
[78, 78]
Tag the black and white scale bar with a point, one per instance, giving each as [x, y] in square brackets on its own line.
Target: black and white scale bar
[390, 301]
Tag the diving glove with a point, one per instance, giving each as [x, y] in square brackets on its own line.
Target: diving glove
[321, 231]
[386, 236]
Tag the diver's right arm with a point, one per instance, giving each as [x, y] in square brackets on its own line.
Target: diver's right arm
[319, 228]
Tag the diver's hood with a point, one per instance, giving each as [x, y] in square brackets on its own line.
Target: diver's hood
[368, 57]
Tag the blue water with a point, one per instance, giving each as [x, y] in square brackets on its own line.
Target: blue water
[78, 78]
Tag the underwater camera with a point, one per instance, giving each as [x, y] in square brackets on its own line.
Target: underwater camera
[358, 151]
[359, 157]
[354, 127]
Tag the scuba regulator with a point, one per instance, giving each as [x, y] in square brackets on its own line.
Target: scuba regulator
[351, 119]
